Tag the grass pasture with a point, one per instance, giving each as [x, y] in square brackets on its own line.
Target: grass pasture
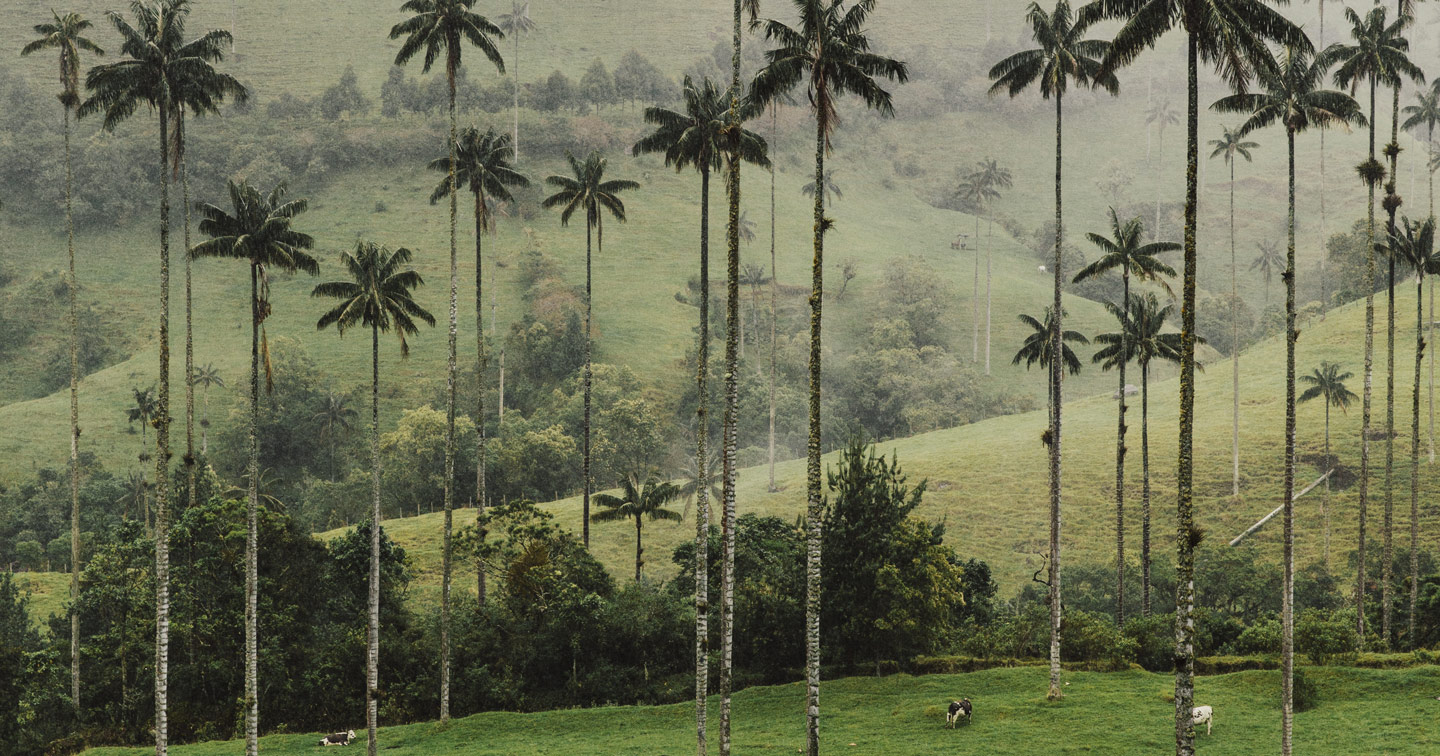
[1120, 714]
[49, 592]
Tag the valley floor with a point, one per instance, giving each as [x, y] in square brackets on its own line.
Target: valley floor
[1359, 712]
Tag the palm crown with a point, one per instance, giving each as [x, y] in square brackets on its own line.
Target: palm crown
[378, 294]
[1232, 144]
[1412, 243]
[1378, 54]
[163, 70]
[1037, 347]
[829, 52]
[1426, 110]
[1127, 252]
[258, 232]
[1289, 93]
[1063, 57]
[587, 191]
[65, 35]
[482, 164]
[639, 497]
[1269, 260]
[832, 189]
[697, 136]
[438, 26]
[1151, 341]
[517, 21]
[1328, 382]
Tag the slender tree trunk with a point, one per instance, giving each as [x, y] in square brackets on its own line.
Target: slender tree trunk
[1325, 503]
[975, 300]
[1430, 141]
[1287, 597]
[702, 475]
[585, 442]
[1415, 457]
[449, 487]
[189, 317]
[205, 421]
[162, 462]
[1368, 386]
[1234, 345]
[1057, 346]
[1187, 536]
[372, 629]
[515, 139]
[500, 393]
[989, 248]
[1159, 163]
[74, 430]
[252, 528]
[1387, 566]
[734, 349]
[639, 549]
[1120, 464]
[774, 285]
[1145, 486]
[480, 363]
[814, 500]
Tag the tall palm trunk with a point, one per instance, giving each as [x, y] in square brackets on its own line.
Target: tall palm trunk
[372, 627]
[515, 93]
[162, 462]
[989, 247]
[1287, 596]
[734, 347]
[1120, 466]
[189, 319]
[1430, 149]
[1057, 346]
[1387, 567]
[1145, 487]
[639, 548]
[252, 529]
[1187, 536]
[480, 365]
[452, 64]
[74, 430]
[702, 482]
[1367, 391]
[592, 220]
[812, 464]
[1415, 456]
[975, 300]
[774, 285]
[1234, 345]
[1325, 502]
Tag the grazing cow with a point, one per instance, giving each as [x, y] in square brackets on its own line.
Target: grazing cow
[1203, 715]
[958, 709]
[338, 738]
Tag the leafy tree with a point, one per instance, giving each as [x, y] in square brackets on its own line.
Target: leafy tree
[555, 93]
[1290, 95]
[638, 499]
[636, 78]
[66, 35]
[1126, 251]
[259, 233]
[1378, 57]
[443, 26]
[1328, 383]
[18, 641]
[344, 97]
[484, 166]
[377, 295]
[398, 93]
[588, 191]
[1231, 145]
[413, 460]
[596, 86]
[1064, 57]
[828, 53]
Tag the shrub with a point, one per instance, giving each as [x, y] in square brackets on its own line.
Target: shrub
[1093, 638]
[1260, 638]
[1304, 693]
[1322, 636]
[1154, 639]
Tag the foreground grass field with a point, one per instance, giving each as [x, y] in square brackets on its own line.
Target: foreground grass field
[1122, 714]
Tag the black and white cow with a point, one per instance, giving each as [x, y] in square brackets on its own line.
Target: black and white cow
[1203, 715]
[338, 738]
[959, 709]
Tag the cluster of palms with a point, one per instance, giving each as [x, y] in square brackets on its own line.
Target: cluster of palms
[1252, 46]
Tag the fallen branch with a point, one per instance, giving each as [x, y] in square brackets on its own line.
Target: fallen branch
[1278, 509]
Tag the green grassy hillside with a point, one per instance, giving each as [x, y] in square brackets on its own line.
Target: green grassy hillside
[1360, 711]
[48, 594]
[988, 480]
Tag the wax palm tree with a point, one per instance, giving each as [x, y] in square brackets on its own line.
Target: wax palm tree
[378, 295]
[1377, 57]
[1229, 34]
[587, 191]
[206, 377]
[1269, 261]
[827, 53]
[996, 178]
[747, 227]
[696, 137]
[336, 412]
[832, 189]
[482, 164]
[1064, 58]
[1290, 95]
[516, 24]
[1159, 115]
[1414, 244]
[443, 27]
[639, 498]
[1231, 145]
[66, 34]
[163, 71]
[142, 412]
[1124, 250]
[1038, 346]
[1152, 344]
[691, 481]
[973, 192]
[1328, 383]
[1426, 112]
[259, 232]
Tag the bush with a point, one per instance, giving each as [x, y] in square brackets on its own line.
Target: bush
[1154, 639]
[1224, 665]
[1322, 636]
[1304, 694]
[1093, 638]
[1260, 638]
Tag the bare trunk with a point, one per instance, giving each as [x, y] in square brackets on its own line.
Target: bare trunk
[774, 285]
[702, 481]
[989, 246]
[74, 431]
[1415, 457]
[814, 501]
[1387, 566]
[1287, 596]
[372, 628]
[480, 363]
[162, 463]
[1234, 346]
[189, 316]
[1057, 346]
[585, 442]
[1186, 534]
[975, 300]
[1120, 467]
[449, 487]
[1145, 487]
[252, 529]
[1368, 387]
[734, 350]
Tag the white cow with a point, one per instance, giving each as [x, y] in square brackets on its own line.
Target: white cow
[1203, 715]
[338, 738]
